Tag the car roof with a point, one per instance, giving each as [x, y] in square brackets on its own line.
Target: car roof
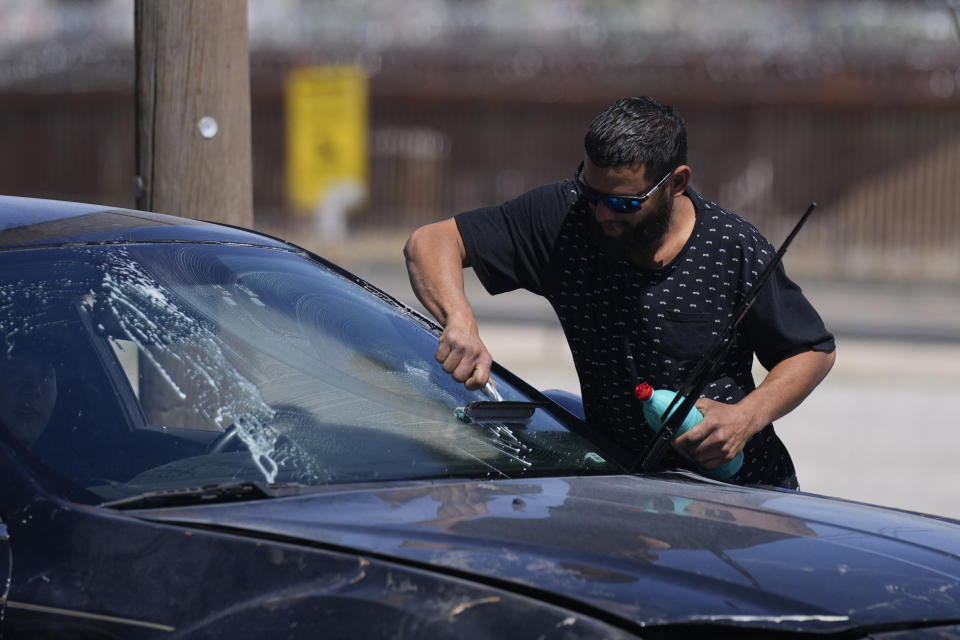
[30, 222]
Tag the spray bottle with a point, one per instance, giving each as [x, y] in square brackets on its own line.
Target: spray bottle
[655, 403]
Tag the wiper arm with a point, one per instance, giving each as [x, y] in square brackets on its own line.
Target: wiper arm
[207, 494]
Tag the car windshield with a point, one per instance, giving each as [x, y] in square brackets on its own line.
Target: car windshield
[185, 365]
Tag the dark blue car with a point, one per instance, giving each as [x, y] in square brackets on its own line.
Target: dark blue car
[209, 433]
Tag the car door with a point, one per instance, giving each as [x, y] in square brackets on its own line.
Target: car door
[6, 567]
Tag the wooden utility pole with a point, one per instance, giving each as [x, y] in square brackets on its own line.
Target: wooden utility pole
[193, 109]
[192, 138]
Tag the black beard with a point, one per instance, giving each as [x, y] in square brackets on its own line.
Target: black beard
[640, 242]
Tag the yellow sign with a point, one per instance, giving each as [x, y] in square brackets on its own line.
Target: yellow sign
[326, 124]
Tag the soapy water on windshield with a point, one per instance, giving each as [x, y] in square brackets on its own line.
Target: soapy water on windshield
[157, 326]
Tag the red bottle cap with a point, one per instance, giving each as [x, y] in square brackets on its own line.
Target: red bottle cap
[643, 392]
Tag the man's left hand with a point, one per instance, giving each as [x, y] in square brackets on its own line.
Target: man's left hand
[719, 437]
[725, 428]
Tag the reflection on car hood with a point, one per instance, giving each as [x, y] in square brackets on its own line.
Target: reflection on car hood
[650, 550]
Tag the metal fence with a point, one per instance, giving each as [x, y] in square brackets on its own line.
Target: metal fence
[886, 176]
[886, 179]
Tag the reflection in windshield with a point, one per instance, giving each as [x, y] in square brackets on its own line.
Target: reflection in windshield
[199, 364]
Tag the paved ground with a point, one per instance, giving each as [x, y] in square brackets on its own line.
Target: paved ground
[883, 426]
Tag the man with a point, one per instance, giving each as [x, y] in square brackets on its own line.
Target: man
[643, 272]
[27, 396]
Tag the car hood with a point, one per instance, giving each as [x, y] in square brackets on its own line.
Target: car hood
[652, 550]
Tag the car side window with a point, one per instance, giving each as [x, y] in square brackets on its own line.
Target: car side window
[128, 357]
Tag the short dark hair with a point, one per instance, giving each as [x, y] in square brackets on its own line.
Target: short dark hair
[43, 346]
[641, 131]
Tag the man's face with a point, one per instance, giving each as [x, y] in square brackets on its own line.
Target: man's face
[28, 392]
[629, 235]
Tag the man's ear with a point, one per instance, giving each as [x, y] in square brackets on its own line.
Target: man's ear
[679, 180]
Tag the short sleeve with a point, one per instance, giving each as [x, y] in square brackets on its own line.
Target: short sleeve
[510, 246]
[782, 322]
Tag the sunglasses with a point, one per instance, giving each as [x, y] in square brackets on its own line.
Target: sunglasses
[617, 204]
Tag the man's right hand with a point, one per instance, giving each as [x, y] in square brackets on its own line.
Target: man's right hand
[463, 355]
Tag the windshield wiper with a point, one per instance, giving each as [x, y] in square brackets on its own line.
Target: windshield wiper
[207, 494]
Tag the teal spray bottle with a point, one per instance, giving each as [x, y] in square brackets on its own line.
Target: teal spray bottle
[655, 403]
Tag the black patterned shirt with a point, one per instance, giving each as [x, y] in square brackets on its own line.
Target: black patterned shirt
[624, 322]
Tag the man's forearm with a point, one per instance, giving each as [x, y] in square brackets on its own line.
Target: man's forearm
[726, 428]
[786, 385]
[439, 290]
[435, 268]
[435, 261]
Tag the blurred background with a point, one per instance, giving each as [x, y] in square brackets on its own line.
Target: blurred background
[854, 104]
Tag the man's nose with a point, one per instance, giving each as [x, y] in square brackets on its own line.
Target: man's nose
[31, 387]
[603, 214]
